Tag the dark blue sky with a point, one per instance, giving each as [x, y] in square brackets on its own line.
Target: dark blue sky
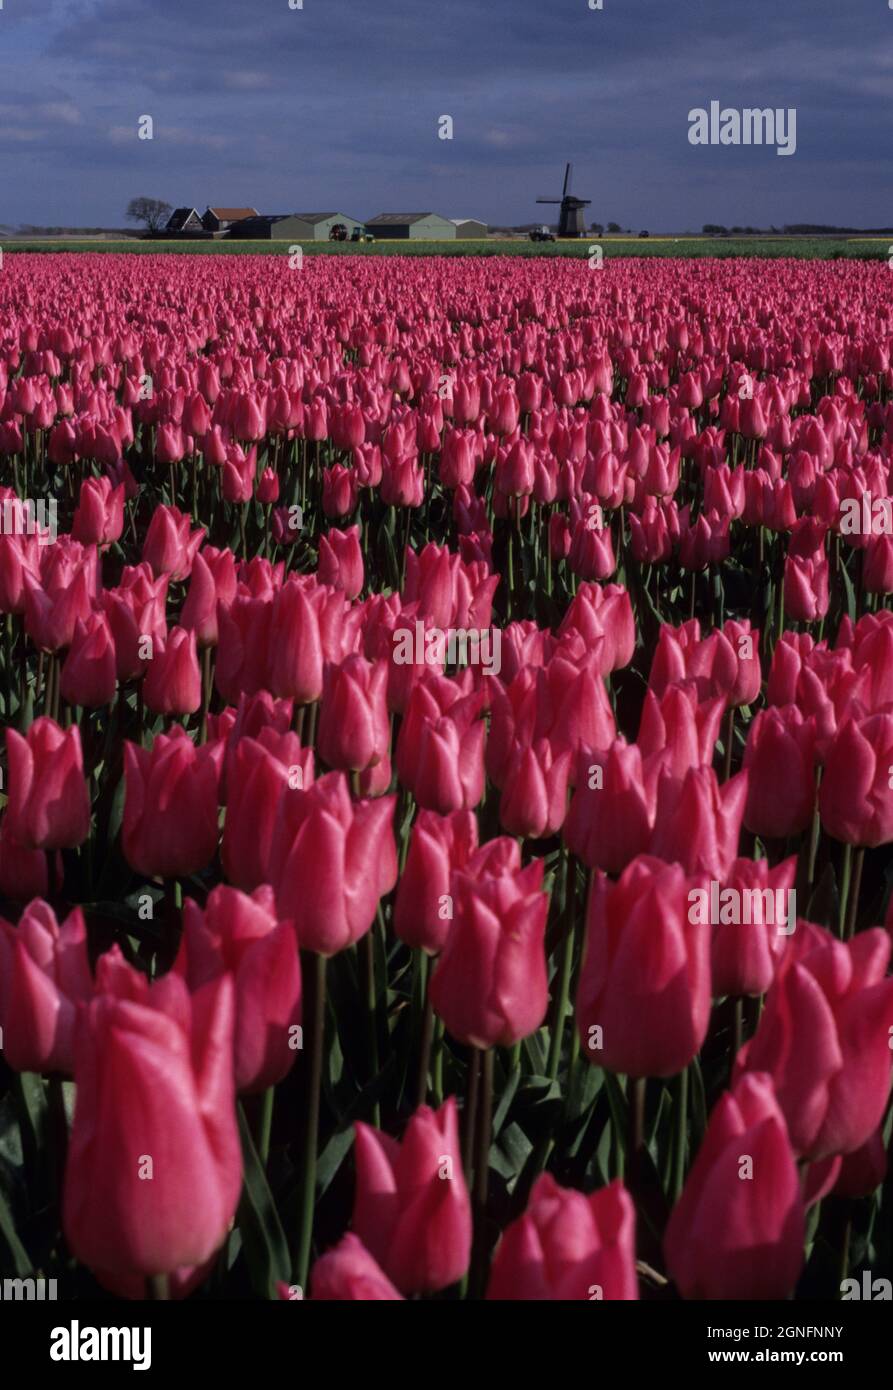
[335, 106]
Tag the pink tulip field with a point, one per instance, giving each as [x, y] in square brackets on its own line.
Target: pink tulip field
[446, 792]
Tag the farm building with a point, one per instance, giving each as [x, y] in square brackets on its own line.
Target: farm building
[293, 226]
[221, 219]
[469, 227]
[412, 226]
[184, 220]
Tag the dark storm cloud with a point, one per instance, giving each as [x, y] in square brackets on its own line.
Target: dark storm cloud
[337, 104]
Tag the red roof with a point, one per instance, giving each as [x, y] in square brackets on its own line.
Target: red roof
[233, 214]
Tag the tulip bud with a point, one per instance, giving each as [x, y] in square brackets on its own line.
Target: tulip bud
[331, 860]
[349, 1273]
[89, 675]
[341, 561]
[643, 1002]
[611, 812]
[260, 774]
[354, 726]
[170, 547]
[780, 759]
[534, 792]
[698, 822]
[737, 1230]
[747, 949]
[243, 936]
[173, 683]
[833, 1092]
[169, 827]
[49, 803]
[44, 976]
[423, 910]
[567, 1247]
[412, 1210]
[856, 796]
[154, 1165]
[489, 985]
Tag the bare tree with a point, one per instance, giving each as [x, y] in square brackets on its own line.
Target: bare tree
[151, 211]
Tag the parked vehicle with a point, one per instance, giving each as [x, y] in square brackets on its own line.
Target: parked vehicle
[542, 234]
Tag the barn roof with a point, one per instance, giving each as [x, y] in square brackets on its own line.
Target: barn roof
[313, 217]
[180, 216]
[233, 214]
[267, 217]
[400, 219]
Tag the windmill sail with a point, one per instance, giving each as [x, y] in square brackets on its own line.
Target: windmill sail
[570, 220]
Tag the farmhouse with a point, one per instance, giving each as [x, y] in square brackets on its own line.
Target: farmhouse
[412, 226]
[221, 219]
[184, 220]
[469, 227]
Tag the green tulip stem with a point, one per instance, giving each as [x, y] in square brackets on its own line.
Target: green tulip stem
[780, 627]
[367, 952]
[636, 1098]
[730, 739]
[813, 846]
[561, 999]
[437, 1066]
[158, 1288]
[426, 1031]
[170, 937]
[845, 1248]
[265, 1123]
[680, 1129]
[855, 888]
[59, 1131]
[206, 693]
[511, 561]
[311, 1131]
[484, 1128]
[738, 1033]
[407, 538]
[846, 874]
[470, 1117]
[483, 1134]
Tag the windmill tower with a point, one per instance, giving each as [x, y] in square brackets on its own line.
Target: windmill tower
[570, 218]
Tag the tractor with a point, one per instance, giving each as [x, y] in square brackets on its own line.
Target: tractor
[542, 234]
[360, 234]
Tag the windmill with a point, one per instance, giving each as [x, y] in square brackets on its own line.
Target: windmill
[570, 219]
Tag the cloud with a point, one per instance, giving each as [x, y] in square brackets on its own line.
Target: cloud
[64, 111]
[246, 81]
[337, 103]
[177, 136]
[19, 135]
